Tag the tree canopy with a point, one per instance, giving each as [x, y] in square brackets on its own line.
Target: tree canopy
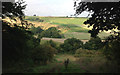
[51, 32]
[105, 16]
[93, 44]
[18, 44]
[71, 44]
[36, 30]
[15, 12]
[15, 39]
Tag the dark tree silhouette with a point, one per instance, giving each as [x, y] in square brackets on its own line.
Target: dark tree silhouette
[20, 48]
[14, 37]
[15, 11]
[106, 16]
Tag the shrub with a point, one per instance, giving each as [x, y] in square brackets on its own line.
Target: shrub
[111, 48]
[93, 44]
[85, 53]
[71, 44]
[14, 44]
[34, 19]
[51, 33]
[53, 44]
[36, 30]
[43, 53]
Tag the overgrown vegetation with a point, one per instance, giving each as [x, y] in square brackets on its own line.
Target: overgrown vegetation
[71, 44]
[36, 30]
[21, 50]
[93, 44]
[33, 18]
[70, 27]
[52, 33]
[43, 54]
[102, 20]
[111, 48]
[86, 53]
[24, 52]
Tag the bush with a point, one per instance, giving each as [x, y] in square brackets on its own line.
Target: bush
[51, 43]
[93, 44]
[36, 30]
[14, 43]
[17, 44]
[51, 33]
[71, 44]
[43, 53]
[111, 48]
[34, 19]
[85, 53]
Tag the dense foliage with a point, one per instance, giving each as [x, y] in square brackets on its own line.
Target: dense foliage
[36, 30]
[51, 43]
[105, 16]
[51, 32]
[43, 53]
[14, 42]
[112, 48]
[93, 44]
[14, 38]
[86, 53]
[20, 49]
[34, 19]
[71, 44]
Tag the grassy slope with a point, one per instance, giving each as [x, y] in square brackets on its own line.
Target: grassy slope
[70, 27]
[58, 65]
[93, 64]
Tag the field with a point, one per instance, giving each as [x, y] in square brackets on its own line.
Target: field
[70, 27]
[60, 44]
[93, 64]
[57, 40]
[84, 63]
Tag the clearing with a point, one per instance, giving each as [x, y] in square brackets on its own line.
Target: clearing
[93, 64]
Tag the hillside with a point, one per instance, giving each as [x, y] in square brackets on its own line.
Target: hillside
[70, 27]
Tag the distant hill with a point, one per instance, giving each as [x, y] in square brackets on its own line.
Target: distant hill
[69, 26]
[64, 24]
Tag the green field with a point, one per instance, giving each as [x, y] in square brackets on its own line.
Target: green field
[57, 66]
[70, 27]
[94, 63]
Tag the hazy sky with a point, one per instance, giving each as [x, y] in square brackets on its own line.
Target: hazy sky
[51, 8]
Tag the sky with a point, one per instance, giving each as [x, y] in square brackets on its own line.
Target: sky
[51, 8]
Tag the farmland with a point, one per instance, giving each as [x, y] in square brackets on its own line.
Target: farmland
[89, 61]
[70, 27]
[60, 44]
